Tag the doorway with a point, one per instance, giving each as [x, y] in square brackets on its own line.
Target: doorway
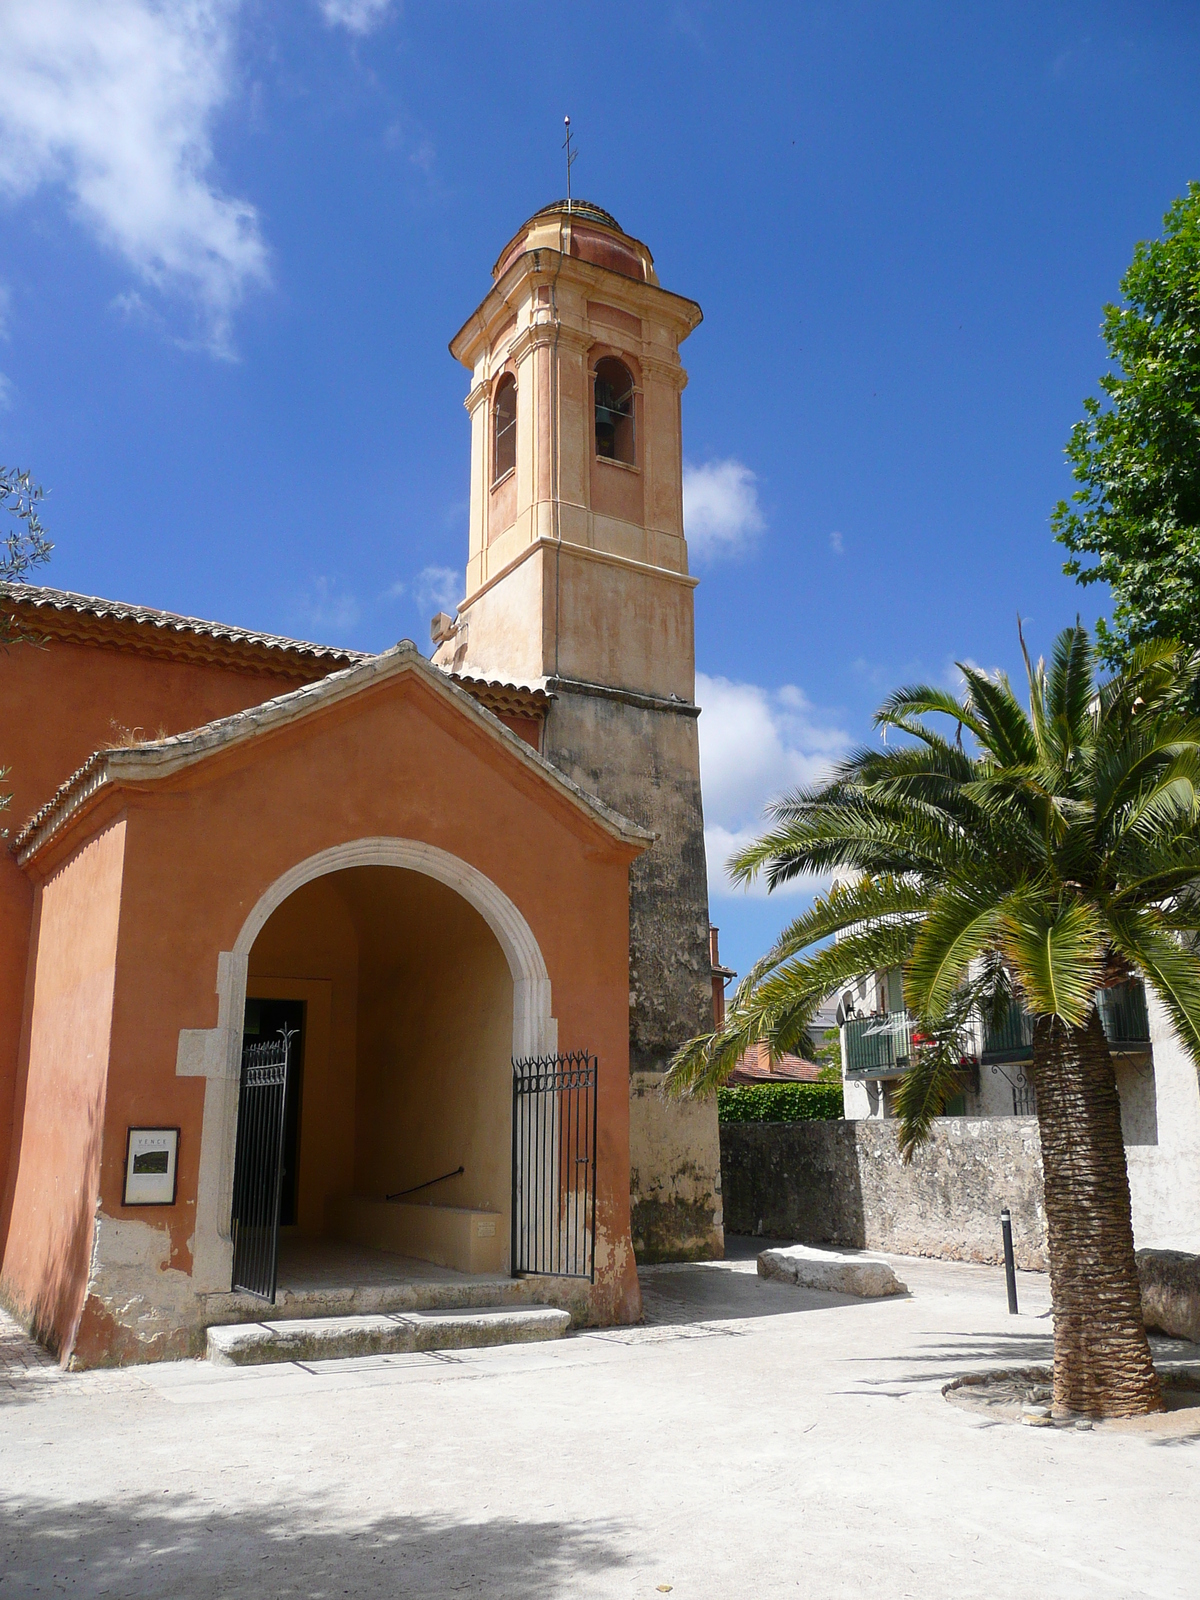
[398, 1124]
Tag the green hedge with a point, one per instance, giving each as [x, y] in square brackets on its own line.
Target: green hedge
[781, 1102]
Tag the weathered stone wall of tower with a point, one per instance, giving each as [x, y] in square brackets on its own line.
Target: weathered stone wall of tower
[641, 756]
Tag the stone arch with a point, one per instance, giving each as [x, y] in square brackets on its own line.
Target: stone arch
[215, 1053]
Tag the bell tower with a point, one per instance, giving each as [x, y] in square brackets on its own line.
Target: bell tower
[577, 566]
[577, 582]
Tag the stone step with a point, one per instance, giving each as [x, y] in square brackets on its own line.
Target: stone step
[250, 1344]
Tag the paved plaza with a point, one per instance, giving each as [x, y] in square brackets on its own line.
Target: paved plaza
[750, 1439]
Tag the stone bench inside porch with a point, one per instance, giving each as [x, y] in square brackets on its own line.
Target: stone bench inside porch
[460, 1237]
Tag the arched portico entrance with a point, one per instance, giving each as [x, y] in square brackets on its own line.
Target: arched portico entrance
[419, 1081]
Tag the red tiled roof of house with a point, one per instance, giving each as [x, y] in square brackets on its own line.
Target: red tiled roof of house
[756, 1066]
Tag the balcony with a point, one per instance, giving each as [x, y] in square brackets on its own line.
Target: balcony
[1123, 1017]
[1011, 1039]
[878, 1047]
[882, 1046]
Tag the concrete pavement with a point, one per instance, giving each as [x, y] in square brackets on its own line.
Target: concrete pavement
[752, 1439]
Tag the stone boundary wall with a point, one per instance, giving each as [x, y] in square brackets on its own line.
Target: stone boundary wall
[844, 1183]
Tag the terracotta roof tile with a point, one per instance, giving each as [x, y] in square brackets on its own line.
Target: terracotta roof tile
[756, 1066]
[86, 618]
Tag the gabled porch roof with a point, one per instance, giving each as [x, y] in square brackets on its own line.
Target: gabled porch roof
[163, 758]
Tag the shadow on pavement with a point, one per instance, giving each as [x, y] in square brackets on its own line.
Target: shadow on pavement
[682, 1293]
[142, 1549]
[953, 1355]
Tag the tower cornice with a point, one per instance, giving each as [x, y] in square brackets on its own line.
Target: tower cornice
[549, 268]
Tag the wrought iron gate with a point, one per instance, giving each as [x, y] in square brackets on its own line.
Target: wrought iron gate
[554, 1166]
[258, 1168]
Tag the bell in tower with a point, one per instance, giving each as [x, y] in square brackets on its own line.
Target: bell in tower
[577, 582]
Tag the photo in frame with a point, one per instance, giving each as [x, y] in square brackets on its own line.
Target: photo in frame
[151, 1155]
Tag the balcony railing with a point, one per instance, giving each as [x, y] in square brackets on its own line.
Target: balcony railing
[1011, 1039]
[1123, 1017]
[880, 1046]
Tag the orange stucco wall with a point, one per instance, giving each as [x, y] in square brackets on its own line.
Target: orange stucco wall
[202, 847]
[58, 704]
[63, 1085]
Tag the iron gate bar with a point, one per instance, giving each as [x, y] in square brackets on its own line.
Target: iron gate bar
[554, 1143]
[258, 1168]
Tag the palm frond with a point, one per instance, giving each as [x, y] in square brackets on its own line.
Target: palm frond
[1170, 965]
[934, 1077]
[905, 706]
[1070, 692]
[777, 1008]
[846, 906]
[1005, 728]
[854, 831]
[1057, 951]
[962, 922]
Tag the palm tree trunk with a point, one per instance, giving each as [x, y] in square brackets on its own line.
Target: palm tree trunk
[1102, 1362]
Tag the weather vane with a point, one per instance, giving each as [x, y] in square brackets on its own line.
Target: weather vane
[571, 154]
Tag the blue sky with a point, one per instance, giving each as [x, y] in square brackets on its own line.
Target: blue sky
[237, 237]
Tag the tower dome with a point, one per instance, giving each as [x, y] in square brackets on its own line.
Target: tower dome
[583, 230]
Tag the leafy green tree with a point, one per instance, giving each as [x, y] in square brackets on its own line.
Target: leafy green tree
[23, 546]
[1134, 523]
[1039, 855]
[829, 1056]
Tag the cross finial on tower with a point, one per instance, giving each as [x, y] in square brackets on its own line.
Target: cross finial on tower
[571, 154]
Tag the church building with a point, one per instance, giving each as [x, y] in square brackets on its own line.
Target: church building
[314, 961]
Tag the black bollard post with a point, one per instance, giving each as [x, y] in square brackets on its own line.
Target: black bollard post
[1010, 1266]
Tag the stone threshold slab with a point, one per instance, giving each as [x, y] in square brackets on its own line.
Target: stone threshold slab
[452, 1292]
[249, 1344]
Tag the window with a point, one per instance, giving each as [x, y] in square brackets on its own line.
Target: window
[504, 421]
[614, 412]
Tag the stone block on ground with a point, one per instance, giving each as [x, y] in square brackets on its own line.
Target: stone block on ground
[809, 1268]
[1170, 1281]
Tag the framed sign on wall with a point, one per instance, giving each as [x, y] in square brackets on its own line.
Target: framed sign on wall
[150, 1160]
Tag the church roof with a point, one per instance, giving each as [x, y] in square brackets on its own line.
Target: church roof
[161, 758]
[503, 697]
[87, 619]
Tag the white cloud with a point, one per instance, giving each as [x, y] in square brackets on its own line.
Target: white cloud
[835, 543]
[327, 606]
[438, 586]
[7, 393]
[114, 100]
[721, 514]
[755, 743]
[952, 674]
[359, 16]
[5, 307]
[424, 157]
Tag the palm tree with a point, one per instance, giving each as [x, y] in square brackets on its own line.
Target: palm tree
[1053, 854]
